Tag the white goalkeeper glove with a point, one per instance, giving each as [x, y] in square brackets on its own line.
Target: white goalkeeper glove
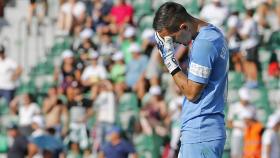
[166, 49]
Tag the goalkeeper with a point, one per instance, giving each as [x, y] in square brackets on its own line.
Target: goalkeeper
[204, 84]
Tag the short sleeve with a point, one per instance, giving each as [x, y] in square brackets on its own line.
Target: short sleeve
[129, 148]
[201, 61]
[85, 74]
[12, 64]
[232, 21]
[36, 109]
[267, 138]
[247, 27]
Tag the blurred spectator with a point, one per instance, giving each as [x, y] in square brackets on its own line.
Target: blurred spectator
[69, 72]
[148, 41]
[128, 38]
[74, 150]
[234, 23]
[2, 6]
[155, 111]
[105, 108]
[34, 11]
[94, 72]
[254, 4]
[143, 139]
[18, 146]
[274, 66]
[117, 73]
[127, 108]
[11, 117]
[278, 13]
[236, 121]
[174, 112]
[10, 72]
[71, 12]
[249, 48]
[120, 15]
[106, 47]
[54, 113]
[252, 136]
[44, 143]
[80, 110]
[38, 126]
[136, 67]
[100, 12]
[270, 138]
[27, 110]
[85, 43]
[219, 13]
[155, 70]
[117, 147]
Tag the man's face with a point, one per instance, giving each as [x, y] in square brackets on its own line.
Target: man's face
[183, 36]
[12, 133]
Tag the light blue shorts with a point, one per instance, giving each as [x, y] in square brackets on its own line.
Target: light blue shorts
[210, 149]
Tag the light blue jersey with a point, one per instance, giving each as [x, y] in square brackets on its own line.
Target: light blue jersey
[203, 120]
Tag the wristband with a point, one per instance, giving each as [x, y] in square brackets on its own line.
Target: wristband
[178, 69]
[172, 64]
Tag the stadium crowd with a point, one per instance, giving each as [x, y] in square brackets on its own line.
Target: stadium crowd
[111, 97]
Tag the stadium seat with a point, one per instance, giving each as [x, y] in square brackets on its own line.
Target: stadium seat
[271, 83]
[142, 7]
[259, 98]
[192, 6]
[158, 3]
[146, 22]
[264, 56]
[274, 41]
[26, 87]
[235, 80]
[236, 5]
[145, 146]
[3, 143]
[4, 107]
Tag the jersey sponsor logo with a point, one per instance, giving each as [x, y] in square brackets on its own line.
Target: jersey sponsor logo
[199, 70]
[223, 53]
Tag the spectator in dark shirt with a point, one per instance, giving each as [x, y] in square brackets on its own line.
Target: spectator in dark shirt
[117, 147]
[18, 149]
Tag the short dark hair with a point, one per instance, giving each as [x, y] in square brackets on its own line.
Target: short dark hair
[250, 12]
[169, 16]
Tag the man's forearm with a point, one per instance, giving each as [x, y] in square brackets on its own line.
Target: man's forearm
[182, 82]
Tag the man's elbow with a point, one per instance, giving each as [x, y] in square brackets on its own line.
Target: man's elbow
[192, 97]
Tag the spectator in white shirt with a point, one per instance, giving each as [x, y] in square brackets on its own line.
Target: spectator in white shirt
[105, 108]
[71, 11]
[266, 18]
[215, 13]
[270, 138]
[94, 72]
[27, 110]
[10, 71]
[249, 48]
[234, 23]
[236, 121]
